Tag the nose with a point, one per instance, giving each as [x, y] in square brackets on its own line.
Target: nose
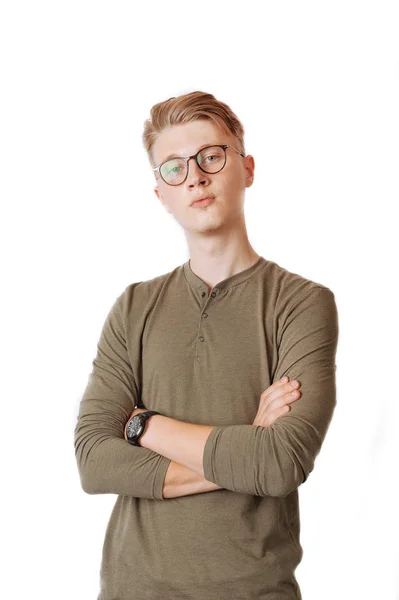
[195, 174]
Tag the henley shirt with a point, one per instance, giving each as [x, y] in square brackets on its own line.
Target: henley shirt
[171, 346]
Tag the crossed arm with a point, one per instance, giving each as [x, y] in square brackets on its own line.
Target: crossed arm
[243, 458]
[181, 442]
[184, 444]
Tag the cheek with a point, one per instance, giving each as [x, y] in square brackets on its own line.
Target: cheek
[172, 202]
[232, 183]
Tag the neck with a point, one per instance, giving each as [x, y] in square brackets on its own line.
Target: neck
[215, 265]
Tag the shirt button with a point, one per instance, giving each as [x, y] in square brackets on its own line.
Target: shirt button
[203, 294]
[213, 294]
[201, 338]
[205, 315]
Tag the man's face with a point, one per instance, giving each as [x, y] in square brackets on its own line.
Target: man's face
[228, 186]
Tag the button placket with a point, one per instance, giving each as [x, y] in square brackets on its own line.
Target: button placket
[204, 315]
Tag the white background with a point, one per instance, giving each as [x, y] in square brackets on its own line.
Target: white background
[316, 85]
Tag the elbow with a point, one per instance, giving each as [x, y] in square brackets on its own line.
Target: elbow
[91, 452]
[90, 481]
[288, 484]
[87, 481]
[88, 485]
[95, 477]
[88, 489]
[285, 476]
[92, 490]
[278, 489]
[288, 463]
[93, 482]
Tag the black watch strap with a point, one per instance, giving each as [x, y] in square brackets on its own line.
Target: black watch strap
[144, 416]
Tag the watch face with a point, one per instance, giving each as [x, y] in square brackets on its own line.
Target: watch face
[134, 427]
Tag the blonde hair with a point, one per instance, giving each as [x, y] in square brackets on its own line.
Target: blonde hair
[187, 108]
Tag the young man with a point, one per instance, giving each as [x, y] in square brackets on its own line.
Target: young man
[186, 415]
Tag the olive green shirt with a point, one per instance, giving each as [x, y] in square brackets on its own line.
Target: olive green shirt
[206, 359]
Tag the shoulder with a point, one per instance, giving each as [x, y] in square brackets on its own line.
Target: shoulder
[287, 289]
[144, 294]
[302, 308]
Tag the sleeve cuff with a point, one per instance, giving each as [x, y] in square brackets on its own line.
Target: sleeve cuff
[209, 454]
[160, 478]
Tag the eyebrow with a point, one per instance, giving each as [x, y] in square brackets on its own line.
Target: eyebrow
[180, 156]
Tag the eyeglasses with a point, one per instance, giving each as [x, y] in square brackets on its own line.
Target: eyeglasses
[211, 159]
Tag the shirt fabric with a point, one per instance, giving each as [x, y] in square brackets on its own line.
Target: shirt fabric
[205, 358]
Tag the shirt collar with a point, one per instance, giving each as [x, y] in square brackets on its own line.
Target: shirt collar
[197, 283]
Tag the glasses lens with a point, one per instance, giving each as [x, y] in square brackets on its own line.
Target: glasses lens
[174, 171]
[211, 159]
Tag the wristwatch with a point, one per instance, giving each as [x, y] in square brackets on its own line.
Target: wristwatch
[136, 426]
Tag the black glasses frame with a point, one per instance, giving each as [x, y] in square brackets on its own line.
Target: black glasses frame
[186, 159]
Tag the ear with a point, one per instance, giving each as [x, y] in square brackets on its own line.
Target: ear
[249, 165]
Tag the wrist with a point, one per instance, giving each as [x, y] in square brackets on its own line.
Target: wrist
[146, 435]
[135, 412]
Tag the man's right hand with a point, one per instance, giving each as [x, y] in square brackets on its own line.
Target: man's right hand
[274, 402]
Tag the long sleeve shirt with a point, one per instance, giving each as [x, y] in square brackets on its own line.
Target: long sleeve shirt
[171, 346]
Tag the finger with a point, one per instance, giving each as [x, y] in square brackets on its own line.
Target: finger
[281, 410]
[276, 385]
[280, 397]
[276, 391]
[275, 414]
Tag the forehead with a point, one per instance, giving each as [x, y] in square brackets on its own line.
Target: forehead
[185, 139]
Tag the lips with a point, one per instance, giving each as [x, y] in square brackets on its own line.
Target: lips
[211, 197]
